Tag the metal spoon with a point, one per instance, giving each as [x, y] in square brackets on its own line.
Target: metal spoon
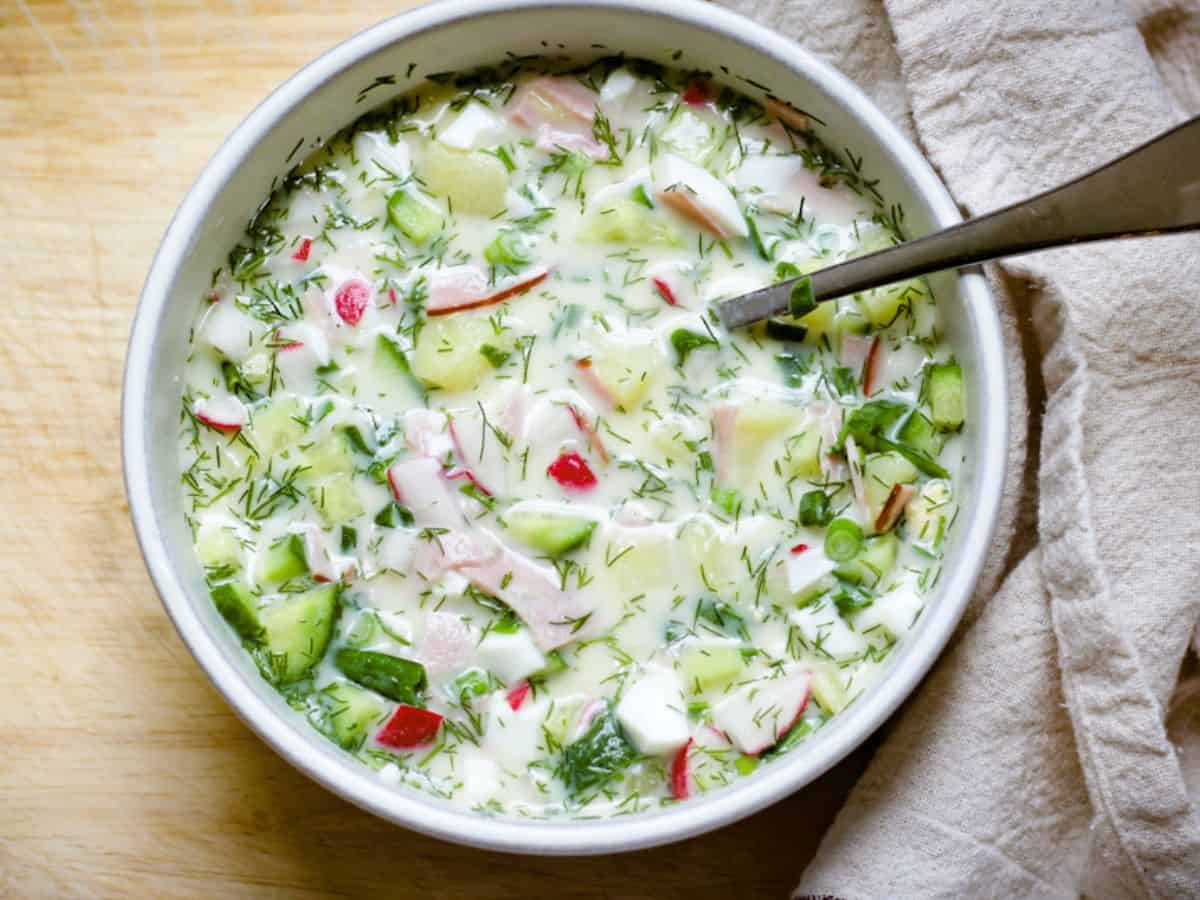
[1154, 189]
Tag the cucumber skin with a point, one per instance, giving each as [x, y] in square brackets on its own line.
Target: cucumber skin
[945, 389]
[235, 603]
[285, 560]
[553, 535]
[391, 676]
[349, 721]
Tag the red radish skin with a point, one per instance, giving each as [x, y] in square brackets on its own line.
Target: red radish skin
[589, 430]
[873, 367]
[800, 548]
[684, 202]
[572, 472]
[516, 696]
[395, 487]
[409, 726]
[894, 506]
[301, 254]
[665, 291]
[351, 301]
[513, 290]
[696, 94]
[680, 788]
[587, 374]
[779, 734]
[226, 415]
[391, 296]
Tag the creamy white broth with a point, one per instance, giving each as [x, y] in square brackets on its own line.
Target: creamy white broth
[488, 493]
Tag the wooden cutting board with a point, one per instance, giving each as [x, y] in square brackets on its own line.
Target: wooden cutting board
[123, 773]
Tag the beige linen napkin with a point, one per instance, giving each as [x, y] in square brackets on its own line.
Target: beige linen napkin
[1035, 761]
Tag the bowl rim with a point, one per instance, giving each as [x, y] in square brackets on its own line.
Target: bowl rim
[406, 807]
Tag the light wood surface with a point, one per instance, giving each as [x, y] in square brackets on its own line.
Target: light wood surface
[123, 773]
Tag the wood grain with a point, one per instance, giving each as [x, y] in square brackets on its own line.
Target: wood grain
[123, 772]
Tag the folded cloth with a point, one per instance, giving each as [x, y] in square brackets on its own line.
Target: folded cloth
[1036, 760]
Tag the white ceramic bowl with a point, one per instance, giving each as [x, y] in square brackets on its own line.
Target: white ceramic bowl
[327, 95]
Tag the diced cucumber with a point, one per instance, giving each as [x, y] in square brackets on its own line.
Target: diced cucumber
[336, 500]
[706, 665]
[470, 182]
[552, 533]
[327, 456]
[629, 364]
[728, 500]
[235, 602]
[883, 305]
[802, 453]
[819, 322]
[217, 547]
[282, 560]
[918, 432]
[929, 514]
[944, 384]
[298, 630]
[760, 420]
[391, 366]
[415, 218]
[447, 354]
[277, 424]
[827, 688]
[881, 473]
[873, 562]
[595, 758]
[350, 711]
[625, 221]
[397, 679]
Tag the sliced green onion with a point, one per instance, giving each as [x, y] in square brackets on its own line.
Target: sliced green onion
[843, 540]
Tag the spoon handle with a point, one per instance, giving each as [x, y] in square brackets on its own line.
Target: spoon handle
[1153, 189]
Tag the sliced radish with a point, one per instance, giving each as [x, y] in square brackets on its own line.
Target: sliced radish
[696, 94]
[426, 432]
[618, 84]
[786, 113]
[806, 567]
[587, 374]
[465, 287]
[664, 290]
[351, 300]
[893, 507]
[409, 726]
[589, 431]
[516, 696]
[680, 782]
[572, 472]
[479, 452]
[873, 367]
[417, 483]
[699, 196]
[319, 563]
[226, 413]
[301, 254]
[757, 715]
[651, 713]
[229, 330]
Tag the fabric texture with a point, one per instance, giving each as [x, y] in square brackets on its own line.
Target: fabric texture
[1044, 755]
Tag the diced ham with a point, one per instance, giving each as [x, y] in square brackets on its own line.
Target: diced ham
[587, 375]
[725, 436]
[554, 616]
[699, 196]
[417, 483]
[893, 507]
[459, 288]
[756, 716]
[873, 367]
[786, 113]
[561, 113]
[447, 644]
[226, 413]
[436, 556]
